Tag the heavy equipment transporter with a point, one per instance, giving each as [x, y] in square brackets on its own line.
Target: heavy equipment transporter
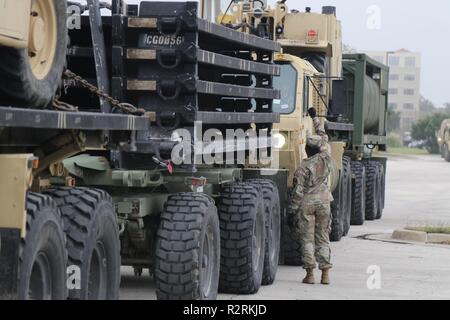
[103, 162]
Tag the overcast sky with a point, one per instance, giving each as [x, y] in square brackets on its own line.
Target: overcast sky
[422, 26]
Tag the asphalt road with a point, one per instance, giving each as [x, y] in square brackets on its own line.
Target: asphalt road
[417, 193]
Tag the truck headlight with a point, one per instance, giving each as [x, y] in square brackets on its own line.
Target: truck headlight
[278, 141]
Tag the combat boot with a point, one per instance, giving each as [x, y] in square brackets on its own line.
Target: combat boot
[309, 279]
[325, 277]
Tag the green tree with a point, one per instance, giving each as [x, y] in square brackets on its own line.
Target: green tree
[426, 129]
[447, 107]
[426, 106]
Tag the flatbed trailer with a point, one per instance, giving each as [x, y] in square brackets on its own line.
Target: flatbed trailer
[99, 173]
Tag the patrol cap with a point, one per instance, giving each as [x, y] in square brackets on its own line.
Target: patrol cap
[314, 141]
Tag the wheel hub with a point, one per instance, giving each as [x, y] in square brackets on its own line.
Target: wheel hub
[257, 242]
[37, 34]
[98, 273]
[42, 37]
[206, 264]
[40, 279]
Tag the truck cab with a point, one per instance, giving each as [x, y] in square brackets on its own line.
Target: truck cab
[297, 96]
[350, 91]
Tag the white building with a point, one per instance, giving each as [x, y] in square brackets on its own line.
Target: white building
[404, 84]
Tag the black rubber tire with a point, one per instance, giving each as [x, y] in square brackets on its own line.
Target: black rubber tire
[372, 193]
[381, 190]
[337, 209]
[273, 229]
[383, 186]
[18, 85]
[43, 255]
[446, 153]
[359, 194]
[242, 231]
[291, 243]
[187, 221]
[347, 203]
[90, 223]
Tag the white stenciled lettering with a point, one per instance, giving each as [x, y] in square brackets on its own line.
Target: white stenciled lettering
[161, 40]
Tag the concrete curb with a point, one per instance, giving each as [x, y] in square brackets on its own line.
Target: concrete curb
[438, 238]
[409, 235]
[420, 236]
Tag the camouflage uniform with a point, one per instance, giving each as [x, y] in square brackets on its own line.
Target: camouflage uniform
[310, 199]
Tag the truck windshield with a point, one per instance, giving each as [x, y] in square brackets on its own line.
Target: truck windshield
[287, 84]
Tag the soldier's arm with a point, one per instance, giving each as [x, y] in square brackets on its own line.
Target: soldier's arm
[320, 130]
[298, 193]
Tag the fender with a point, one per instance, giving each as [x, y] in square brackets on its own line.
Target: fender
[14, 23]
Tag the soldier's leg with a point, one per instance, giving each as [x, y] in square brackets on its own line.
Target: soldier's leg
[322, 236]
[307, 222]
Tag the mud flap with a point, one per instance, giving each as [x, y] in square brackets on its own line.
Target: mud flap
[9, 263]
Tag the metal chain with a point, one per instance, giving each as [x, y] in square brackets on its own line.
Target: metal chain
[64, 106]
[124, 107]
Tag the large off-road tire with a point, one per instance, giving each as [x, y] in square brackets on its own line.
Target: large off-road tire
[381, 190]
[347, 203]
[43, 255]
[446, 153]
[337, 208]
[273, 229]
[32, 81]
[291, 242]
[337, 231]
[359, 194]
[383, 186]
[93, 244]
[242, 231]
[188, 249]
[372, 192]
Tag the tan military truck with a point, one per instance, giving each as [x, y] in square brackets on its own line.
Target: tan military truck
[88, 183]
[351, 93]
[32, 56]
[69, 223]
[443, 139]
[33, 39]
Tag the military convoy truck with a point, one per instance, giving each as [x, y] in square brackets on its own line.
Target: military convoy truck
[443, 139]
[352, 90]
[349, 90]
[90, 118]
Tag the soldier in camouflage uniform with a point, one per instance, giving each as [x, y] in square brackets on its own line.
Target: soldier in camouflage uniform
[310, 199]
